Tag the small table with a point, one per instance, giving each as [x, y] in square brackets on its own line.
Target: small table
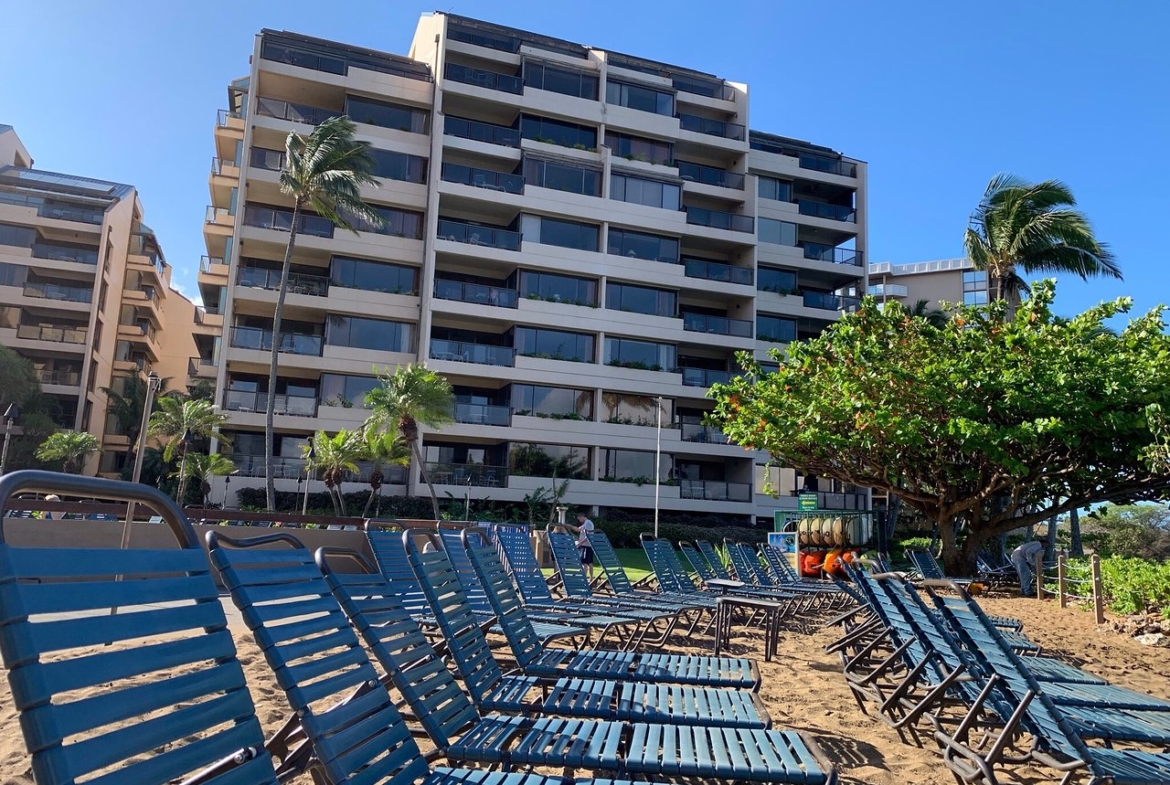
[725, 607]
[724, 585]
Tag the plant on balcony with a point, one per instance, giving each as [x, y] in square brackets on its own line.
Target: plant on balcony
[323, 172]
[635, 364]
[382, 449]
[339, 400]
[405, 398]
[332, 457]
[203, 468]
[71, 448]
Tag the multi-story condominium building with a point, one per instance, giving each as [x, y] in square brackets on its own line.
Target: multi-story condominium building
[84, 290]
[944, 280]
[570, 236]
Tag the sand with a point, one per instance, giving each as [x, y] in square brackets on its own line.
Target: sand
[803, 690]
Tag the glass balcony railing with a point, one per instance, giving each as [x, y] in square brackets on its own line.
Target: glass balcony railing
[281, 221]
[297, 113]
[475, 293]
[715, 490]
[45, 332]
[293, 405]
[475, 234]
[709, 89]
[483, 178]
[482, 414]
[466, 352]
[53, 291]
[834, 255]
[830, 302]
[477, 474]
[705, 125]
[717, 325]
[254, 466]
[71, 212]
[219, 164]
[831, 211]
[62, 378]
[481, 132]
[703, 377]
[716, 219]
[703, 434]
[290, 343]
[298, 283]
[64, 253]
[201, 366]
[710, 175]
[206, 262]
[215, 215]
[223, 115]
[716, 271]
[489, 80]
[823, 163]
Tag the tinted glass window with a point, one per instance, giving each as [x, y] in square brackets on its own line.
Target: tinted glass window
[401, 118]
[623, 242]
[769, 279]
[641, 299]
[558, 288]
[775, 329]
[373, 276]
[777, 232]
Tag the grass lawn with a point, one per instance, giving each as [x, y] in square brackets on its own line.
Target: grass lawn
[633, 560]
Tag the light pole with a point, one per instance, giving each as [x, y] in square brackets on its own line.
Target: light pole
[308, 479]
[153, 382]
[11, 415]
[657, 463]
[227, 485]
[184, 445]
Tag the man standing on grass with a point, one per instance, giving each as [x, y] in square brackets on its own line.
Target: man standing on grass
[583, 528]
[1024, 560]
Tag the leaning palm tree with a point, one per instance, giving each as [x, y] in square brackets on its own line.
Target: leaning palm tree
[126, 407]
[335, 455]
[72, 448]
[382, 449]
[412, 395]
[202, 467]
[323, 172]
[1021, 227]
[179, 420]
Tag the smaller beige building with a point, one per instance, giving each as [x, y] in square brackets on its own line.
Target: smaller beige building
[936, 282]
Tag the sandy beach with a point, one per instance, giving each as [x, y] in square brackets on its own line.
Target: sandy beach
[802, 688]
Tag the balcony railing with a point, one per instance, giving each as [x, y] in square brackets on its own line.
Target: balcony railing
[64, 253]
[703, 377]
[200, 366]
[62, 378]
[823, 163]
[830, 302]
[223, 115]
[466, 352]
[53, 291]
[709, 89]
[714, 490]
[482, 414]
[44, 332]
[703, 434]
[717, 325]
[833, 212]
[293, 405]
[253, 466]
[716, 271]
[481, 132]
[205, 263]
[475, 293]
[705, 125]
[215, 214]
[710, 175]
[298, 113]
[298, 283]
[486, 79]
[716, 219]
[218, 165]
[476, 474]
[459, 232]
[290, 343]
[829, 253]
[281, 221]
[483, 178]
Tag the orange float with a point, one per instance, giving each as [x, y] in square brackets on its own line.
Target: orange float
[833, 562]
[810, 565]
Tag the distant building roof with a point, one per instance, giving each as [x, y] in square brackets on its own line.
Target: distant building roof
[64, 183]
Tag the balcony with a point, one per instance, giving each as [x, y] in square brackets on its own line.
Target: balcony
[704, 125]
[224, 115]
[823, 163]
[208, 317]
[60, 378]
[292, 405]
[467, 352]
[701, 434]
[221, 167]
[201, 367]
[297, 113]
[716, 491]
[717, 325]
[716, 219]
[831, 254]
[290, 343]
[475, 293]
[482, 414]
[281, 221]
[282, 468]
[475, 234]
[833, 212]
[64, 253]
[476, 474]
[704, 377]
[53, 291]
[298, 283]
[710, 175]
[717, 271]
[483, 178]
[218, 216]
[489, 80]
[481, 132]
[830, 302]
[44, 332]
[208, 264]
[888, 290]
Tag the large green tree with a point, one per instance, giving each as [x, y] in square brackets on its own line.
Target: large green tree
[323, 173]
[1020, 227]
[989, 423]
[71, 448]
[408, 396]
[178, 417]
[202, 468]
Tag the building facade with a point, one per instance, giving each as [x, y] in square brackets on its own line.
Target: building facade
[571, 235]
[936, 282]
[84, 293]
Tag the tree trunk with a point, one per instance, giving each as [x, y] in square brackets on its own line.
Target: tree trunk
[891, 523]
[960, 562]
[369, 503]
[333, 498]
[1050, 548]
[269, 439]
[422, 469]
[1076, 548]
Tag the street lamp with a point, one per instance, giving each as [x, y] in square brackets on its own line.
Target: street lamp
[153, 382]
[184, 445]
[11, 415]
[308, 479]
[657, 463]
[227, 484]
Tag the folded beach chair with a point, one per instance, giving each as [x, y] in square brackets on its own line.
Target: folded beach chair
[709, 567]
[534, 659]
[152, 694]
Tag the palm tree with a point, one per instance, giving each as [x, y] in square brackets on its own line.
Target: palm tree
[412, 395]
[202, 467]
[126, 406]
[180, 420]
[323, 172]
[935, 317]
[382, 449]
[1021, 227]
[73, 448]
[335, 455]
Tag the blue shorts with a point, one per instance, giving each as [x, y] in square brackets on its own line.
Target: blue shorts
[586, 554]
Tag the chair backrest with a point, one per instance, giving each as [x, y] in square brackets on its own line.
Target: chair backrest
[713, 560]
[924, 561]
[151, 694]
[346, 714]
[473, 590]
[568, 561]
[387, 549]
[525, 644]
[398, 643]
[608, 559]
[701, 566]
[667, 568]
[745, 570]
[782, 572]
[522, 563]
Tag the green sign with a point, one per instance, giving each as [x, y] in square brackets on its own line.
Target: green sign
[806, 502]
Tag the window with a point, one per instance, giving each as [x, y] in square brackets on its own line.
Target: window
[558, 288]
[769, 279]
[384, 115]
[643, 355]
[353, 273]
[557, 403]
[637, 148]
[641, 299]
[560, 80]
[566, 234]
[280, 219]
[623, 242]
[975, 287]
[12, 274]
[549, 460]
[395, 223]
[399, 166]
[635, 409]
[378, 334]
[634, 466]
[777, 190]
[562, 176]
[775, 329]
[652, 193]
[644, 99]
[777, 232]
[342, 390]
[17, 236]
[541, 129]
[554, 344]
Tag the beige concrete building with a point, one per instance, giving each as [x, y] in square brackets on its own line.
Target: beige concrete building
[84, 291]
[571, 235]
[944, 280]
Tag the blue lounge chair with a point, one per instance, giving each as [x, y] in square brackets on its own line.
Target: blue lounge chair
[746, 561]
[619, 583]
[709, 567]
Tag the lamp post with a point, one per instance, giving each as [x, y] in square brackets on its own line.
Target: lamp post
[153, 382]
[227, 485]
[184, 445]
[308, 479]
[11, 415]
[657, 463]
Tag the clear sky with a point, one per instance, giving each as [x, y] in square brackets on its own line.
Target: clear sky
[936, 96]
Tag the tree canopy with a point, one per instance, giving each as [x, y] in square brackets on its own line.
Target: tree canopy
[1000, 418]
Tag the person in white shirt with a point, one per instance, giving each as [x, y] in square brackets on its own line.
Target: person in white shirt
[1024, 560]
[583, 528]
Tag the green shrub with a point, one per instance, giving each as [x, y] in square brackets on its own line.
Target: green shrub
[1130, 585]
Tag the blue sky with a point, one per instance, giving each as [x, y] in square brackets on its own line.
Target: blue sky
[937, 97]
